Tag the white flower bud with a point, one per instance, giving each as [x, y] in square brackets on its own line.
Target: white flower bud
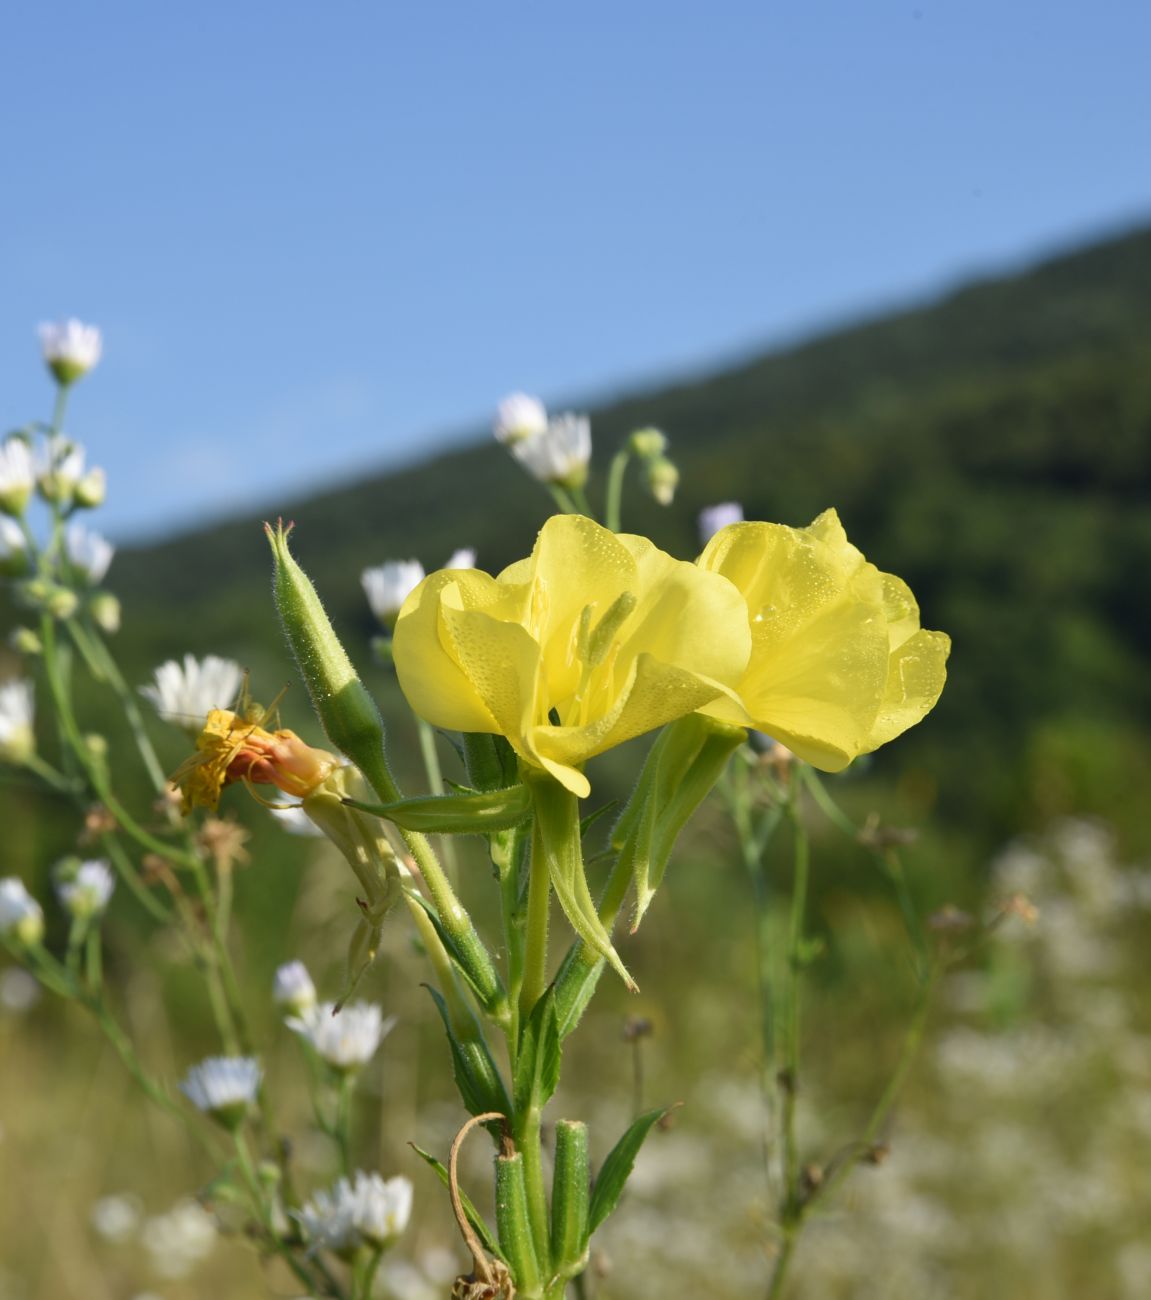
[17, 476]
[293, 988]
[714, 518]
[560, 453]
[223, 1087]
[662, 479]
[88, 552]
[84, 892]
[70, 348]
[20, 914]
[520, 416]
[17, 739]
[91, 489]
[389, 585]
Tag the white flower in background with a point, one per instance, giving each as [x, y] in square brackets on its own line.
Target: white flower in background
[88, 551]
[292, 988]
[389, 585]
[116, 1218]
[177, 1241]
[13, 546]
[381, 1209]
[186, 694]
[464, 558]
[519, 416]
[85, 893]
[17, 476]
[19, 991]
[59, 469]
[70, 348]
[223, 1087]
[295, 820]
[560, 453]
[347, 1040]
[17, 740]
[366, 1210]
[91, 489]
[20, 913]
[662, 477]
[714, 518]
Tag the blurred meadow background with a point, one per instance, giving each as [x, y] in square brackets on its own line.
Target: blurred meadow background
[892, 258]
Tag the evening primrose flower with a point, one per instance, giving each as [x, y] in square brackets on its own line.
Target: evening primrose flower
[346, 1039]
[20, 914]
[713, 518]
[85, 892]
[520, 416]
[839, 664]
[293, 988]
[70, 348]
[17, 476]
[17, 740]
[184, 694]
[231, 748]
[558, 454]
[88, 551]
[591, 640]
[224, 1087]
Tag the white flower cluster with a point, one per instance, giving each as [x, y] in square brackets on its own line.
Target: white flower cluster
[555, 450]
[184, 694]
[223, 1086]
[346, 1040]
[367, 1210]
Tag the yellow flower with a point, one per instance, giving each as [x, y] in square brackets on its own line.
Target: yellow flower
[233, 748]
[591, 640]
[839, 664]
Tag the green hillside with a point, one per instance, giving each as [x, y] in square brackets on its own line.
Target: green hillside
[994, 448]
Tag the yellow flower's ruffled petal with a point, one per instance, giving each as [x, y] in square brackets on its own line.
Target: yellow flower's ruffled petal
[838, 663]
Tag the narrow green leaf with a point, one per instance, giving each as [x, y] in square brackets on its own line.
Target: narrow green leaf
[477, 1077]
[539, 1055]
[474, 1217]
[478, 813]
[481, 978]
[586, 823]
[617, 1168]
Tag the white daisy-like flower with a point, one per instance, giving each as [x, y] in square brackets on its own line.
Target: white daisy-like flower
[70, 348]
[560, 453]
[347, 1040]
[85, 893]
[520, 416]
[17, 476]
[388, 585]
[59, 469]
[88, 551]
[178, 1240]
[714, 518]
[17, 707]
[184, 694]
[224, 1087]
[292, 988]
[20, 914]
[13, 544]
[464, 558]
[365, 1210]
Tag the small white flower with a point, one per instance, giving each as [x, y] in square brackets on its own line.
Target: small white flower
[465, 558]
[381, 1209]
[13, 545]
[347, 1040]
[59, 469]
[88, 551]
[558, 454]
[70, 348]
[20, 913]
[367, 1210]
[91, 489]
[185, 695]
[177, 1241]
[17, 739]
[85, 893]
[519, 416]
[292, 988]
[713, 518]
[389, 585]
[17, 476]
[223, 1087]
[19, 991]
[115, 1218]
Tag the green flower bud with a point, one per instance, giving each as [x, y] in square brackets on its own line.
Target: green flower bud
[39, 593]
[647, 443]
[25, 642]
[91, 490]
[105, 611]
[346, 711]
[662, 479]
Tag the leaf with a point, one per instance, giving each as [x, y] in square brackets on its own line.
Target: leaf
[617, 1168]
[474, 1217]
[539, 1056]
[590, 820]
[476, 813]
[481, 1086]
[483, 982]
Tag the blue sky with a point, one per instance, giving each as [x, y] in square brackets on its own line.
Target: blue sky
[324, 237]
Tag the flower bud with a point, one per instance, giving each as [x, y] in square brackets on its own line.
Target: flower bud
[91, 490]
[20, 914]
[17, 476]
[293, 989]
[85, 888]
[105, 611]
[662, 479]
[25, 642]
[388, 585]
[70, 349]
[61, 467]
[647, 443]
[17, 739]
[520, 416]
[13, 549]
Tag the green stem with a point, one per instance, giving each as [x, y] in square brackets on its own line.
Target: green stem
[343, 1132]
[613, 500]
[58, 409]
[581, 503]
[564, 502]
[527, 1138]
[536, 931]
[792, 1004]
[436, 785]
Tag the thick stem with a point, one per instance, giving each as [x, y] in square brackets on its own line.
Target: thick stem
[614, 496]
[536, 931]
